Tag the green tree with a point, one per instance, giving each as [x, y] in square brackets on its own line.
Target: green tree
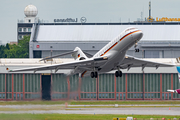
[7, 46]
[2, 53]
[18, 51]
[24, 47]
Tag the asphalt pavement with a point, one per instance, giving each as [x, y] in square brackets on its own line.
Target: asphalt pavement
[82, 110]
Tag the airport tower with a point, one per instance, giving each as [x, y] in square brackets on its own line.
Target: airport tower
[24, 26]
[30, 12]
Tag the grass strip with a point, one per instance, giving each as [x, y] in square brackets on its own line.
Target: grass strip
[122, 106]
[122, 102]
[39, 102]
[79, 117]
[140, 102]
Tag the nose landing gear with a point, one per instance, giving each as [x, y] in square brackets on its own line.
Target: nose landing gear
[136, 49]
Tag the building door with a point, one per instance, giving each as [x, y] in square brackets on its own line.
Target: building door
[166, 97]
[117, 96]
[46, 87]
[18, 96]
[37, 54]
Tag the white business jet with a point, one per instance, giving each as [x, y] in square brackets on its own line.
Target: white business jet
[110, 57]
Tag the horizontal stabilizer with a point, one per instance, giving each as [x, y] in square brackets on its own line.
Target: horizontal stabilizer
[55, 56]
[88, 55]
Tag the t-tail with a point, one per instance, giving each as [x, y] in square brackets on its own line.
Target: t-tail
[79, 55]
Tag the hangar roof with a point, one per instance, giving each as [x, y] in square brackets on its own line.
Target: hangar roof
[104, 32]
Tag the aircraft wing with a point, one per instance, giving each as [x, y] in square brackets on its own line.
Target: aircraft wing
[130, 61]
[81, 64]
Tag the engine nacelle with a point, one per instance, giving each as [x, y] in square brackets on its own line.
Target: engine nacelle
[82, 58]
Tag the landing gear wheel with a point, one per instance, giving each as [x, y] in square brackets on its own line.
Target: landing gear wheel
[95, 74]
[136, 50]
[92, 74]
[118, 73]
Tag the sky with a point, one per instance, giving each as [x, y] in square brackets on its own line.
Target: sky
[95, 11]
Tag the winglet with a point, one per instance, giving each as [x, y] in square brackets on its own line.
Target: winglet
[178, 69]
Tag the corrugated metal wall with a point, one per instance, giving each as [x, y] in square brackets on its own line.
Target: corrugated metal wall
[107, 87]
[32, 86]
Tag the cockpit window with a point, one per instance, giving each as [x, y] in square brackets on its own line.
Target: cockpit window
[131, 28]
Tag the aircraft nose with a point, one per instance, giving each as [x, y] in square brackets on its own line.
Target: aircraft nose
[138, 35]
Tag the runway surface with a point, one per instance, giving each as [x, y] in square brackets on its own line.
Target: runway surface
[50, 109]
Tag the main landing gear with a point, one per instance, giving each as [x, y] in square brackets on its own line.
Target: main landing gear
[94, 74]
[118, 73]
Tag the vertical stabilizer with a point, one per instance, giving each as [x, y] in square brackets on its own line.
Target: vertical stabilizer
[178, 69]
[79, 55]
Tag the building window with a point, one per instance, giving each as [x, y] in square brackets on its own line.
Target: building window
[29, 21]
[20, 37]
[29, 29]
[24, 29]
[20, 30]
[153, 54]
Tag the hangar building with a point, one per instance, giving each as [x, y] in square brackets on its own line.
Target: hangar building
[161, 42]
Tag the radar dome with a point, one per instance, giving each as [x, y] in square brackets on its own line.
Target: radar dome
[30, 11]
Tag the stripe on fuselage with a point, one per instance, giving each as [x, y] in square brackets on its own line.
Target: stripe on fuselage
[119, 40]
